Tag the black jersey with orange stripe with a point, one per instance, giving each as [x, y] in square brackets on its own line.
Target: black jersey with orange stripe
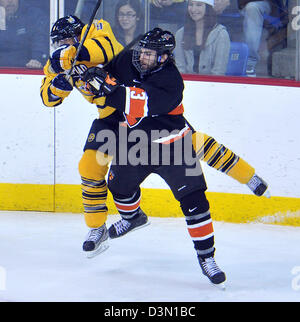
[151, 104]
[157, 95]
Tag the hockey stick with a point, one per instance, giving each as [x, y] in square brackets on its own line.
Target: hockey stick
[127, 47]
[83, 38]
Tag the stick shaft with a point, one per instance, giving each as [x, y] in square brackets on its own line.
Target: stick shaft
[127, 47]
[84, 37]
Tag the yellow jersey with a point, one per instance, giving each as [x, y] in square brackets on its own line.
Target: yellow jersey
[99, 48]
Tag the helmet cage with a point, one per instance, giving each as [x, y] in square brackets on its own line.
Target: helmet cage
[163, 42]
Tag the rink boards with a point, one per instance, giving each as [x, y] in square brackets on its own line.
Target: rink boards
[40, 149]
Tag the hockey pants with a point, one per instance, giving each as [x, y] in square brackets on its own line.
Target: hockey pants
[93, 172]
[188, 190]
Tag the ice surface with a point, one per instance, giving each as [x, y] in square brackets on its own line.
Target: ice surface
[41, 260]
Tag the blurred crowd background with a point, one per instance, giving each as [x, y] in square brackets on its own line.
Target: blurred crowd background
[213, 37]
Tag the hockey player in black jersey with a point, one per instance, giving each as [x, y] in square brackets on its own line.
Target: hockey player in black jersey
[148, 89]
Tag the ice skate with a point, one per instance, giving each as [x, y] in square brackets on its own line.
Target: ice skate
[96, 241]
[258, 186]
[212, 271]
[124, 226]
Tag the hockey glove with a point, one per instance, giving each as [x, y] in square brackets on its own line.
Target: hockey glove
[99, 82]
[60, 86]
[62, 58]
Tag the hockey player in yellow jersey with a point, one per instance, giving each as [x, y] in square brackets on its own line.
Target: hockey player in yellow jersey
[100, 47]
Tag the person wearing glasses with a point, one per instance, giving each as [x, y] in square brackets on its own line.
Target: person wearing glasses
[129, 21]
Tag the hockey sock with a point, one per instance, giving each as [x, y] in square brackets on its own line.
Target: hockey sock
[94, 189]
[128, 207]
[94, 195]
[195, 207]
[221, 158]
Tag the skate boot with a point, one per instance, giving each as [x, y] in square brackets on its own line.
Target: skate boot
[96, 241]
[124, 226]
[212, 271]
[258, 186]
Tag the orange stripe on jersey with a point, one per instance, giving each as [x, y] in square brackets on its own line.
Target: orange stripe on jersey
[201, 230]
[173, 137]
[177, 110]
[178, 137]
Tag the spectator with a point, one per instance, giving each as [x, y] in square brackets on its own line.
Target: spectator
[202, 44]
[109, 9]
[129, 21]
[84, 11]
[167, 14]
[158, 3]
[22, 34]
[229, 16]
[253, 12]
[220, 6]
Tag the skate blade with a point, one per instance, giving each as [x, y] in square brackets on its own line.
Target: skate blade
[102, 248]
[142, 226]
[221, 286]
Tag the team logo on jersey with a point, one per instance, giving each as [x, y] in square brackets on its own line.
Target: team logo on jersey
[91, 137]
[99, 25]
[111, 175]
[71, 19]
[166, 36]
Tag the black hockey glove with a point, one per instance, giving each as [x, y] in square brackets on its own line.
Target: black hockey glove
[99, 82]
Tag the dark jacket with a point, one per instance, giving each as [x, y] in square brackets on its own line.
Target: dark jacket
[120, 36]
[26, 36]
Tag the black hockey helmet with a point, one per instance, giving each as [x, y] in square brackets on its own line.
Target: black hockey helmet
[66, 27]
[162, 41]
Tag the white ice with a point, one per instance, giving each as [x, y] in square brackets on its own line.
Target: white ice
[41, 260]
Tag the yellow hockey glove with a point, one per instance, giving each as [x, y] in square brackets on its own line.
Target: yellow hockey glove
[60, 86]
[62, 58]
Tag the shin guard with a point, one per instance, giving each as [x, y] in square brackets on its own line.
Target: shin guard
[128, 207]
[195, 207]
[221, 158]
[94, 188]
